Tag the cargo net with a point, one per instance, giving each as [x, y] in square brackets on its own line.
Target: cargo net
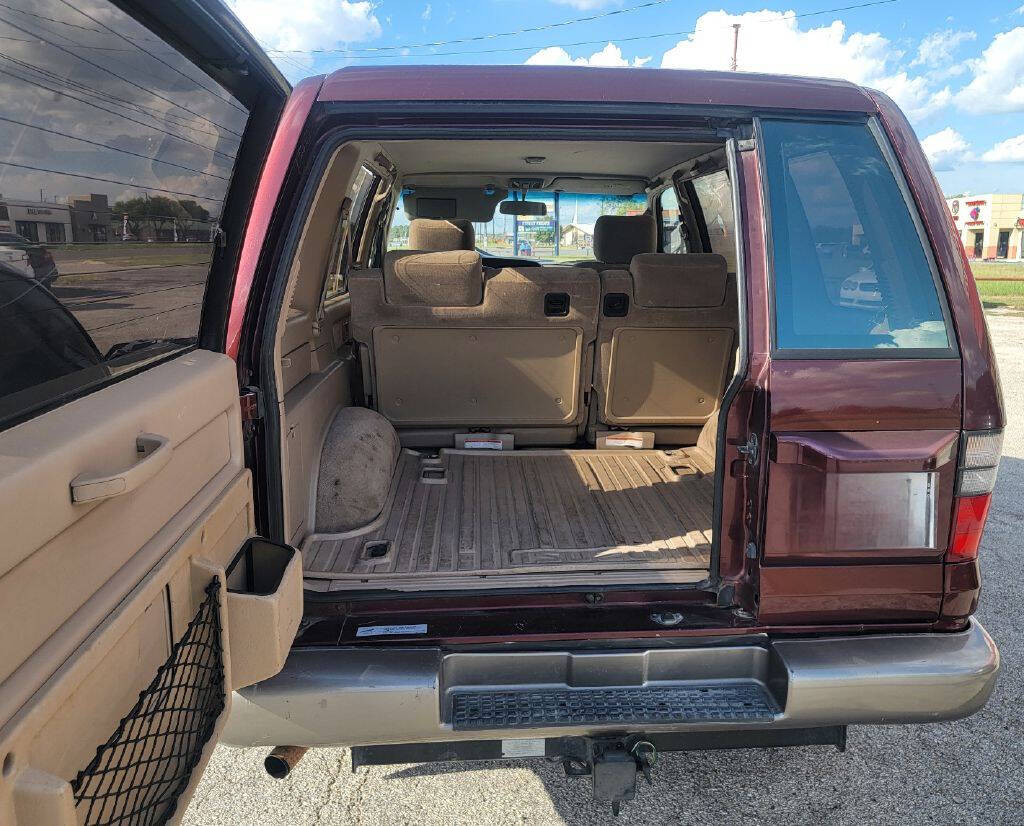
[138, 775]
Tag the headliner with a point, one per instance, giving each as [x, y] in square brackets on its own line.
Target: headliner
[584, 84]
[478, 162]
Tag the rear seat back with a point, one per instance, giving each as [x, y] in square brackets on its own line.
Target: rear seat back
[449, 346]
[666, 341]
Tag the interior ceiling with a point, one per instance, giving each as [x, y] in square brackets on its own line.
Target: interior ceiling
[478, 162]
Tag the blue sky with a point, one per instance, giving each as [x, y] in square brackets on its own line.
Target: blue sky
[956, 69]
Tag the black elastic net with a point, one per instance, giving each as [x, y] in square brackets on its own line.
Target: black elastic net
[138, 775]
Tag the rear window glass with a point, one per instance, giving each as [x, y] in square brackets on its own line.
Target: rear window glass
[117, 156]
[850, 270]
[671, 226]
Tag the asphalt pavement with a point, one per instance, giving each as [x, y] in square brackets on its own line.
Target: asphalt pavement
[968, 771]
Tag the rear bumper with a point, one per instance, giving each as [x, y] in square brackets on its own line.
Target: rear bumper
[370, 696]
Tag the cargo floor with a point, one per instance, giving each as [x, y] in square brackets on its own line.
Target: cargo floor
[469, 519]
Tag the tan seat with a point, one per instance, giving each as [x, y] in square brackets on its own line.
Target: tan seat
[448, 346]
[441, 235]
[617, 238]
[666, 342]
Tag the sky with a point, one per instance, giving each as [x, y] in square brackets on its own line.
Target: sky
[955, 68]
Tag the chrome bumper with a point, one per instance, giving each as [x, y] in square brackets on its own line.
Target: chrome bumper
[370, 696]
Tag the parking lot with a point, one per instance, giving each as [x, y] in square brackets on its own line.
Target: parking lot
[970, 771]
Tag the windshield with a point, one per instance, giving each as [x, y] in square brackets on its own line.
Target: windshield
[566, 233]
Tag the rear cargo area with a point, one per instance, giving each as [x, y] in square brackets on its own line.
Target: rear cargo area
[482, 519]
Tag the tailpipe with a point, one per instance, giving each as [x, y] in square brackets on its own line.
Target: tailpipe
[282, 760]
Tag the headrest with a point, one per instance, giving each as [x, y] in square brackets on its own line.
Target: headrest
[694, 279]
[441, 235]
[433, 279]
[617, 238]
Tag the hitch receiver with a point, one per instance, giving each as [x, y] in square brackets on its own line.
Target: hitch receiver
[612, 766]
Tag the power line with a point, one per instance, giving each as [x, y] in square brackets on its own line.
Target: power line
[111, 148]
[107, 97]
[119, 77]
[35, 82]
[129, 184]
[154, 56]
[478, 37]
[605, 39]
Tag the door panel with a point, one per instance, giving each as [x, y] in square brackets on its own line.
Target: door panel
[95, 595]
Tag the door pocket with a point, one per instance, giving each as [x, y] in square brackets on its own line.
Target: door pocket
[264, 607]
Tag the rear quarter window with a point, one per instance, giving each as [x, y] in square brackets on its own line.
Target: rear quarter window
[850, 270]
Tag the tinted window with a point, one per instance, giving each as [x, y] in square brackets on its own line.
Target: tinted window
[672, 228]
[117, 157]
[850, 270]
[714, 196]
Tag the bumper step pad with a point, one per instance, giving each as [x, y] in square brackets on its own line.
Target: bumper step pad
[478, 710]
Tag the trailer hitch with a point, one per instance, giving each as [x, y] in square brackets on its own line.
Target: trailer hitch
[612, 765]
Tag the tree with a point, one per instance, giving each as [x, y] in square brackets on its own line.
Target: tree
[157, 211]
[195, 211]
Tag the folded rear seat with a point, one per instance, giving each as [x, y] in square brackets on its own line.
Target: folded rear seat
[666, 341]
[448, 346]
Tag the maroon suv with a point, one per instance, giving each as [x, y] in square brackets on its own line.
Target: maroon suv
[708, 469]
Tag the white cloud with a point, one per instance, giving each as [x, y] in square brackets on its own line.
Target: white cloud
[312, 24]
[998, 81]
[1011, 150]
[610, 56]
[945, 149]
[426, 12]
[772, 41]
[936, 49]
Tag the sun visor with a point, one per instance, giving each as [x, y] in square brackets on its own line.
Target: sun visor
[473, 203]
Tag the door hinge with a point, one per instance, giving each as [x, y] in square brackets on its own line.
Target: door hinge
[749, 449]
[251, 402]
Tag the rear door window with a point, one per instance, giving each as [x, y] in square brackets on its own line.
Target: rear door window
[850, 269]
[118, 153]
[671, 225]
[714, 196]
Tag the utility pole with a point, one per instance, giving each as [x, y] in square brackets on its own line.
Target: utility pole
[558, 226]
[735, 44]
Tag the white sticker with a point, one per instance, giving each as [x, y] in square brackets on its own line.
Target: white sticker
[612, 441]
[381, 630]
[485, 444]
[533, 747]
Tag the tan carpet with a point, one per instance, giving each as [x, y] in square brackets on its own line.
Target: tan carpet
[468, 513]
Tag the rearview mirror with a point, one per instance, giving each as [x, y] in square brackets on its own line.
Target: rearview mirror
[523, 208]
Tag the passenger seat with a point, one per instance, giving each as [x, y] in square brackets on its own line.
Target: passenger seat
[666, 342]
[617, 238]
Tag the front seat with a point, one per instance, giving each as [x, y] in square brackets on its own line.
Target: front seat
[441, 235]
[617, 238]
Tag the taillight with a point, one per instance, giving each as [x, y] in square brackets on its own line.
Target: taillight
[979, 464]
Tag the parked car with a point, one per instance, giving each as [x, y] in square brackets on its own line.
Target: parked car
[432, 510]
[36, 259]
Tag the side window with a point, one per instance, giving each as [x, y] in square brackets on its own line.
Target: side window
[714, 196]
[118, 155]
[671, 225]
[850, 271]
[363, 186]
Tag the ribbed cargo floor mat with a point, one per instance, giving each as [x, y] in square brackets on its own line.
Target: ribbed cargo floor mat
[470, 513]
[476, 710]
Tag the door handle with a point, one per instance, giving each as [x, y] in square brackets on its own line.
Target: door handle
[154, 452]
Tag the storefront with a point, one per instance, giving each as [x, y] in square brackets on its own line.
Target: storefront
[990, 226]
[38, 222]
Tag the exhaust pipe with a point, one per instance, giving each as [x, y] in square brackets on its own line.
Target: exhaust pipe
[282, 760]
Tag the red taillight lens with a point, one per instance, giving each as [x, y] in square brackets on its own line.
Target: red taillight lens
[968, 525]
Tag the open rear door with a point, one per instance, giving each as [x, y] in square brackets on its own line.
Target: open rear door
[132, 600]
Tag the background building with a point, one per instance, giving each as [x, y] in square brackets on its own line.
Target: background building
[36, 221]
[990, 226]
